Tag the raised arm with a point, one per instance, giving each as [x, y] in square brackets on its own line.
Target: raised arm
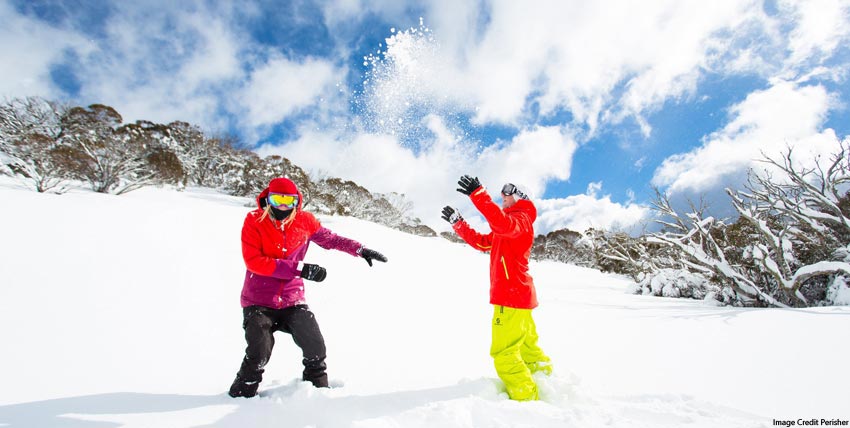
[476, 240]
[501, 223]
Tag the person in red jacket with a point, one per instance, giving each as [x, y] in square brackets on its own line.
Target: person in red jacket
[514, 348]
[275, 237]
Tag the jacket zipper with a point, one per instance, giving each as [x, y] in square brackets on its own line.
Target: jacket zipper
[504, 265]
[279, 294]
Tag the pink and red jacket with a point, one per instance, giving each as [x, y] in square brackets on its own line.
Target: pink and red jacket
[273, 255]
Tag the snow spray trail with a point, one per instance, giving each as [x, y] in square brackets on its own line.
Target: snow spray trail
[405, 85]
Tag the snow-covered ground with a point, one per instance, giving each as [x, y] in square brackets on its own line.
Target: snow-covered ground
[123, 311]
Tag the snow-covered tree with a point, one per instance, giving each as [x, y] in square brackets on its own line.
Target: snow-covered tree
[802, 218]
[700, 244]
[249, 174]
[111, 158]
[790, 244]
[205, 159]
[401, 206]
[29, 129]
[156, 149]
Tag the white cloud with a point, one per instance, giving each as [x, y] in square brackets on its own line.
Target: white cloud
[280, 87]
[29, 49]
[531, 159]
[602, 62]
[574, 55]
[580, 212]
[820, 27]
[593, 188]
[171, 62]
[217, 55]
[163, 64]
[766, 121]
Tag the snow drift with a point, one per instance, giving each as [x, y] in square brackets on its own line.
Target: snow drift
[124, 311]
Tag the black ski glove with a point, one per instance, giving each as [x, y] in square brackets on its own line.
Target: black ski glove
[451, 215]
[370, 255]
[313, 272]
[468, 185]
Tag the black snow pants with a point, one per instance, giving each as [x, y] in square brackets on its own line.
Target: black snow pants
[260, 323]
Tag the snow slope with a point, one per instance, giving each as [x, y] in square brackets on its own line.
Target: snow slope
[123, 311]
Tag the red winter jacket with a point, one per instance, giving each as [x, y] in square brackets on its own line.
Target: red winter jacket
[273, 255]
[509, 245]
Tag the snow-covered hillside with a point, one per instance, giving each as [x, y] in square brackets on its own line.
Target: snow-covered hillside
[124, 311]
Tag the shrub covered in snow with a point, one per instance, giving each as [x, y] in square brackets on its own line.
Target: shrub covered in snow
[789, 245]
[677, 283]
[564, 246]
[838, 292]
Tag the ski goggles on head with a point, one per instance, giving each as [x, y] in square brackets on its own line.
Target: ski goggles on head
[283, 200]
[509, 189]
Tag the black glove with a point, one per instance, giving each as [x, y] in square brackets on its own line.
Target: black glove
[468, 185]
[313, 272]
[370, 255]
[451, 215]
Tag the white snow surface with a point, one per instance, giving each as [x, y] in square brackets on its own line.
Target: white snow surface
[123, 311]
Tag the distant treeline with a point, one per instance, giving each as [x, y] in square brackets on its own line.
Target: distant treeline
[52, 146]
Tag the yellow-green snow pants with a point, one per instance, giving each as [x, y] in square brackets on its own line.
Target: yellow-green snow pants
[515, 352]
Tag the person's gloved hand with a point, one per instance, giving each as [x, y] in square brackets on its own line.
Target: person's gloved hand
[468, 185]
[313, 272]
[451, 215]
[370, 255]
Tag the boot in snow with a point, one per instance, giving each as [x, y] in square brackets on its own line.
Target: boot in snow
[243, 388]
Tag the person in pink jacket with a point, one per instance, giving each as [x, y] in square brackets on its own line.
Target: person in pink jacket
[275, 238]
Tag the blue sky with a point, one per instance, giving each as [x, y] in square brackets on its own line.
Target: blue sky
[589, 106]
